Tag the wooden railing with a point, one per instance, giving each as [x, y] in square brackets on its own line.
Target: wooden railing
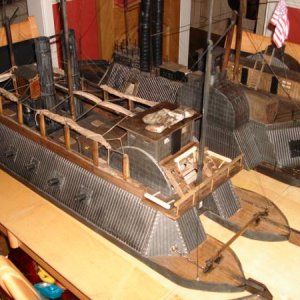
[208, 185]
[131, 98]
[97, 139]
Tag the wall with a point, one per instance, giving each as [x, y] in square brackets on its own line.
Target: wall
[184, 36]
[221, 13]
[112, 26]
[42, 11]
[294, 18]
[83, 19]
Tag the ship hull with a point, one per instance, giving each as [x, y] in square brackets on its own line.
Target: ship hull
[121, 216]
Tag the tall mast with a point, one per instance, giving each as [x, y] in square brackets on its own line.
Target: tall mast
[126, 24]
[7, 22]
[238, 41]
[206, 92]
[68, 57]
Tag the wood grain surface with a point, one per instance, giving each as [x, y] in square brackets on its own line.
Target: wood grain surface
[94, 268]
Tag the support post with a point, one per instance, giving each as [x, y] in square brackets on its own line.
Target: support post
[9, 41]
[68, 57]
[67, 137]
[42, 125]
[126, 169]
[228, 44]
[105, 95]
[238, 41]
[20, 113]
[95, 153]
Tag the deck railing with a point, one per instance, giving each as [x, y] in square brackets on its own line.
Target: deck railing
[208, 185]
[96, 139]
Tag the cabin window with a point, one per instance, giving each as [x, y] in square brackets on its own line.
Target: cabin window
[274, 85]
[295, 148]
[244, 77]
[286, 84]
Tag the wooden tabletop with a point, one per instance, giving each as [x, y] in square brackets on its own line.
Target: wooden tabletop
[94, 268]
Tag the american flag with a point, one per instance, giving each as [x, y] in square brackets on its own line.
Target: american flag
[281, 22]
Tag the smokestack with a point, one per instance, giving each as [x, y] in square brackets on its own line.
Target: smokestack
[145, 42]
[157, 31]
[45, 71]
[74, 69]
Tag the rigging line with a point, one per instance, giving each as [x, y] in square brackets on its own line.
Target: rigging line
[213, 47]
[21, 99]
[260, 3]
[6, 83]
[86, 112]
[103, 76]
[92, 65]
[14, 89]
[186, 256]
[273, 72]
[110, 129]
[164, 33]
[224, 269]
[7, 71]
[59, 103]
[120, 141]
[215, 18]
[263, 58]
[50, 109]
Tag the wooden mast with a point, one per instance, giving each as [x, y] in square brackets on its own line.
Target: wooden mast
[126, 25]
[68, 58]
[206, 92]
[229, 42]
[7, 22]
[238, 40]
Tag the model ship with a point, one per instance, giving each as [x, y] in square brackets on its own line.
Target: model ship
[132, 170]
[269, 82]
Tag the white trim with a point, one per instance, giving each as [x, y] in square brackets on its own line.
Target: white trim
[269, 12]
[157, 201]
[184, 31]
[293, 3]
[43, 12]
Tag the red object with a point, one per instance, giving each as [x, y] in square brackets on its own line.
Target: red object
[27, 266]
[294, 18]
[281, 22]
[83, 19]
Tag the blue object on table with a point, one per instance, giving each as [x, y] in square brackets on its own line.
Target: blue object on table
[49, 290]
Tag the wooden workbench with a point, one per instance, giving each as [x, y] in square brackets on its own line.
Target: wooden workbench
[92, 267]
